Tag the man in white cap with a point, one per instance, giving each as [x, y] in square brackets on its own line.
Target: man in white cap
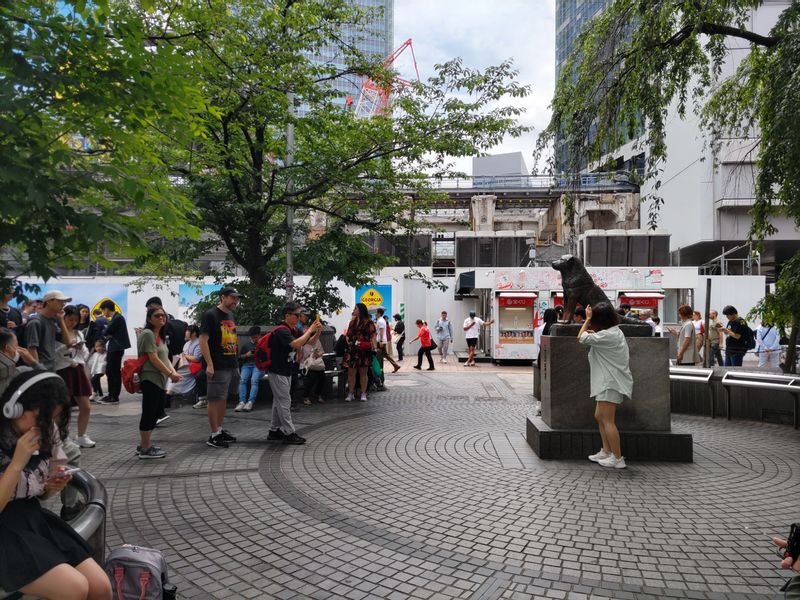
[46, 327]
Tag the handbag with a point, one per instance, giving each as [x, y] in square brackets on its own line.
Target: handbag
[433, 345]
[195, 367]
[313, 364]
[376, 367]
[365, 346]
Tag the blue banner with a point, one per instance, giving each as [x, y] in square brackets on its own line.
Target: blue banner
[375, 296]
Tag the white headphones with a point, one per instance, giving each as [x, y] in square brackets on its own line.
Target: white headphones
[13, 410]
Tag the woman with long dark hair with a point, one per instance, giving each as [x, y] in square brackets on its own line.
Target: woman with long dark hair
[153, 377]
[610, 377]
[74, 375]
[361, 338]
[40, 554]
[85, 318]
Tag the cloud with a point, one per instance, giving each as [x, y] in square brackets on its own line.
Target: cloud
[483, 34]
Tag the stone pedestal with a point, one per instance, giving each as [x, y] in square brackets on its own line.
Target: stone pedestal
[567, 428]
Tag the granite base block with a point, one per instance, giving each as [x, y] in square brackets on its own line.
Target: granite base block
[551, 443]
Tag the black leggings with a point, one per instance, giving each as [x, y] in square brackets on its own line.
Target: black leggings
[426, 350]
[114, 372]
[152, 405]
[96, 385]
[314, 384]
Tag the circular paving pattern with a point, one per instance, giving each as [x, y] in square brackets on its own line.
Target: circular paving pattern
[430, 491]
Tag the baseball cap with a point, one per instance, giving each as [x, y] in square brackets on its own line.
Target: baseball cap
[154, 300]
[472, 313]
[56, 295]
[230, 291]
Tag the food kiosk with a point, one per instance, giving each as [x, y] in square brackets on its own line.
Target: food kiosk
[516, 313]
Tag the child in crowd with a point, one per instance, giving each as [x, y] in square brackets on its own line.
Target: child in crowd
[610, 376]
[40, 554]
[97, 368]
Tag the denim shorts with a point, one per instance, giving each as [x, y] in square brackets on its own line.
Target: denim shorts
[610, 396]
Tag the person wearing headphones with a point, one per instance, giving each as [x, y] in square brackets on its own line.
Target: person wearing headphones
[40, 554]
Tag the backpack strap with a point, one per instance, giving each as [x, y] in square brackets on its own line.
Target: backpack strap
[119, 577]
[144, 580]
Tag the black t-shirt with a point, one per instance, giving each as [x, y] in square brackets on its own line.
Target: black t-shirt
[12, 315]
[222, 341]
[732, 345]
[282, 355]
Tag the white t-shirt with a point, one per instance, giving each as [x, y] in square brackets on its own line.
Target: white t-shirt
[380, 323]
[475, 330]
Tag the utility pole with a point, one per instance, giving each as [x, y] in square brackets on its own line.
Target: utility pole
[290, 209]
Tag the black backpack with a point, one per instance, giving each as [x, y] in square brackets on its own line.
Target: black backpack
[749, 336]
[175, 332]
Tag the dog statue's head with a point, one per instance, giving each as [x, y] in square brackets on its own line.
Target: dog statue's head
[565, 264]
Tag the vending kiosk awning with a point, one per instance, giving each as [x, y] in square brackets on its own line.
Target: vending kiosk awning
[655, 295]
[465, 284]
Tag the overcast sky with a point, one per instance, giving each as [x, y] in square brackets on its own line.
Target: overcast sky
[484, 33]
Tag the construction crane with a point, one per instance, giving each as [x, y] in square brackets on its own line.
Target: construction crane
[374, 97]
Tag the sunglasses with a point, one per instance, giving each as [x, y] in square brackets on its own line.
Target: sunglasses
[160, 316]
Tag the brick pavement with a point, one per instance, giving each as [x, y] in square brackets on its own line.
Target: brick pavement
[429, 491]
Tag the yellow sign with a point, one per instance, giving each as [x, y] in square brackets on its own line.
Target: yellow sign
[371, 298]
[99, 302]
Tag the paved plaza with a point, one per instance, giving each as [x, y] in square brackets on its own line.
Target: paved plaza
[430, 491]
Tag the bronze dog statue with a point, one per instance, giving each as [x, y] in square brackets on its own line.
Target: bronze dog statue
[578, 285]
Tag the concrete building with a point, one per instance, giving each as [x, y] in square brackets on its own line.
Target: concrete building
[707, 198]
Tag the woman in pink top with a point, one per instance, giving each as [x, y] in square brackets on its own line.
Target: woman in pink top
[424, 337]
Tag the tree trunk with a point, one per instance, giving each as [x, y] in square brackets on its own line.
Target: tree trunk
[790, 366]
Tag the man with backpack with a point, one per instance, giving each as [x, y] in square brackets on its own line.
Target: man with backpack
[282, 343]
[740, 337]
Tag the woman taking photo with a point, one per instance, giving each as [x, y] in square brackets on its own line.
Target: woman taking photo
[610, 377]
[73, 372]
[362, 341]
[40, 554]
[153, 377]
[425, 345]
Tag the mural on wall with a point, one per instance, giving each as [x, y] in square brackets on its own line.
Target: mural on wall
[606, 278]
[90, 293]
[375, 296]
[189, 295]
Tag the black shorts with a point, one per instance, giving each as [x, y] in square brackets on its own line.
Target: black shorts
[472, 342]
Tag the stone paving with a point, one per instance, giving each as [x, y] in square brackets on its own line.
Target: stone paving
[429, 491]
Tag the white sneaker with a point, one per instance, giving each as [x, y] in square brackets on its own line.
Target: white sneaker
[612, 462]
[349, 398]
[444, 360]
[201, 403]
[248, 407]
[84, 441]
[602, 455]
[239, 407]
[363, 397]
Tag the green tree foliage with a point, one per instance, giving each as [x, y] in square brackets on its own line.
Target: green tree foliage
[82, 96]
[263, 65]
[639, 58]
[636, 59]
[782, 309]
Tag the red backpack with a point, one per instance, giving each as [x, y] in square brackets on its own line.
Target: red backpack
[130, 373]
[263, 355]
[131, 369]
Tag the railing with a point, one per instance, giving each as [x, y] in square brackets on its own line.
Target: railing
[723, 379]
[513, 182]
